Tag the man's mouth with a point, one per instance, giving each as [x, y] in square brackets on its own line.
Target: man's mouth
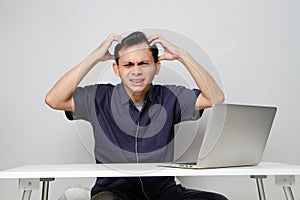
[137, 80]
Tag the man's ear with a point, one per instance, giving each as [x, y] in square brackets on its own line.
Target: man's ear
[157, 65]
[116, 69]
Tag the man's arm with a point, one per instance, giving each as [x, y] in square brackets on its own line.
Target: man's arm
[210, 91]
[60, 97]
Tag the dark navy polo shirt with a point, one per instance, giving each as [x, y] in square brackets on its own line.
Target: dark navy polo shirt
[124, 134]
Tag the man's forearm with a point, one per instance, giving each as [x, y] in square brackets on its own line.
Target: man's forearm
[210, 91]
[60, 96]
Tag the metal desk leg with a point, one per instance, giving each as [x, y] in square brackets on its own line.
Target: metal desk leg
[288, 192]
[28, 184]
[260, 186]
[45, 189]
[26, 194]
[286, 182]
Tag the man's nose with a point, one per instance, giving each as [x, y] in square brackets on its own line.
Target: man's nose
[136, 69]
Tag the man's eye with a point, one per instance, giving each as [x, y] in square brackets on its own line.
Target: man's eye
[128, 65]
[143, 63]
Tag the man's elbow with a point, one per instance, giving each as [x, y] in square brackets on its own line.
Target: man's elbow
[51, 101]
[203, 102]
[220, 98]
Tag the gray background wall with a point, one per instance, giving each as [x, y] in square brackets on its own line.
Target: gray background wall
[254, 46]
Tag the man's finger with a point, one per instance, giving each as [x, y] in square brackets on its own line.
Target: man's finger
[156, 41]
[114, 38]
[154, 38]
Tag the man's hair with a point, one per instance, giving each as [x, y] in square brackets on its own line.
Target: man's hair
[134, 39]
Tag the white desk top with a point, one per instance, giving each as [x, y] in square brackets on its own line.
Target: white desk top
[140, 169]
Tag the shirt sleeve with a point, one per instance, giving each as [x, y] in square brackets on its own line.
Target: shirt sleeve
[187, 100]
[84, 103]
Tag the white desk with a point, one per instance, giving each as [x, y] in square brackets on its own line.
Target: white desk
[29, 176]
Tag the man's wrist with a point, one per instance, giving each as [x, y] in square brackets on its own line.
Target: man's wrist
[92, 59]
[183, 55]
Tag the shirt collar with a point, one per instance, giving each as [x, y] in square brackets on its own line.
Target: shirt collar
[125, 98]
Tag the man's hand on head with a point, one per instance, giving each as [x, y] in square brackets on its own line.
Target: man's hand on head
[171, 52]
[102, 52]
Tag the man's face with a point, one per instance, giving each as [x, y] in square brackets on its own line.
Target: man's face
[136, 68]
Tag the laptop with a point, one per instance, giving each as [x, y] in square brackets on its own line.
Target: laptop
[236, 135]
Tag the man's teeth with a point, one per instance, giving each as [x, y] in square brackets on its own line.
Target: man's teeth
[137, 80]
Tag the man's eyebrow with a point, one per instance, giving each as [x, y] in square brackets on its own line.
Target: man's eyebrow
[139, 63]
[143, 62]
[128, 64]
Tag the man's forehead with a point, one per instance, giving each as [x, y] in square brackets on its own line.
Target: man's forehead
[135, 49]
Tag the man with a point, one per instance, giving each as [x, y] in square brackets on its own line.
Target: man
[134, 121]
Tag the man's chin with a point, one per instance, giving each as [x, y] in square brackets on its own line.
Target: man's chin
[143, 88]
[138, 89]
